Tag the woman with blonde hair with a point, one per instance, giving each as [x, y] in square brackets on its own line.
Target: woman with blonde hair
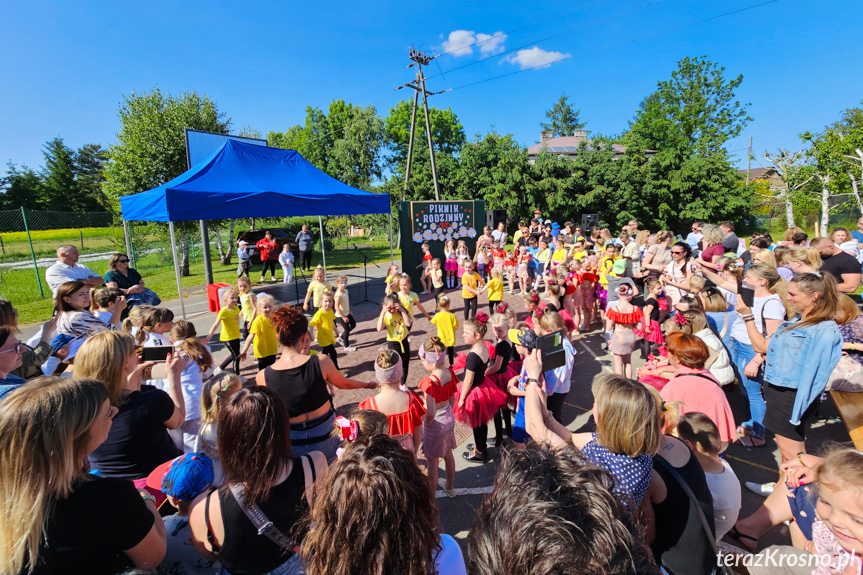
[788, 236]
[712, 244]
[139, 440]
[57, 518]
[801, 260]
[842, 238]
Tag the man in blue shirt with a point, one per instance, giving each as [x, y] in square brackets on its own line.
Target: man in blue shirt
[858, 233]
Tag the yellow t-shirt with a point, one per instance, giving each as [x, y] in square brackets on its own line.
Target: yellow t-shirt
[580, 255]
[446, 323]
[604, 268]
[407, 300]
[266, 339]
[558, 257]
[391, 279]
[469, 281]
[246, 305]
[396, 329]
[230, 324]
[343, 307]
[323, 320]
[544, 256]
[495, 289]
[318, 288]
[515, 237]
[436, 277]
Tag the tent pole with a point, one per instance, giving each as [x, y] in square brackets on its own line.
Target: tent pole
[128, 242]
[392, 259]
[177, 268]
[323, 252]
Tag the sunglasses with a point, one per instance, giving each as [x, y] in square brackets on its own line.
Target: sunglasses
[19, 348]
[677, 253]
[122, 261]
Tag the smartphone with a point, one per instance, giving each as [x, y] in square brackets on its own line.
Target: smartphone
[159, 353]
[747, 292]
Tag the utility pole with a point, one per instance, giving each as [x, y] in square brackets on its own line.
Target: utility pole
[749, 161]
[421, 59]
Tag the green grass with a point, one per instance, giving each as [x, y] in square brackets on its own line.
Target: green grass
[20, 286]
[15, 247]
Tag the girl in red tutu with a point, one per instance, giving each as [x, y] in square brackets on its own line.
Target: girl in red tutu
[440, 388]
[479, 398]
[403, 408]
[500, 373]
[623, 318]
[651, 334]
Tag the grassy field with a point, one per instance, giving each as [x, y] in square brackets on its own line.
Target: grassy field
[20, 286]
[15, 247]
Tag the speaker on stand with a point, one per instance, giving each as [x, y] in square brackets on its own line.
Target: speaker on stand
[588, 222]
[494, 217]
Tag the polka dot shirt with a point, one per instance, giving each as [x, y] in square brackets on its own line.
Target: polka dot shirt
[631, 474]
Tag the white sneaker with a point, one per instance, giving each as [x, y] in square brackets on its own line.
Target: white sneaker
[350, 349]
[262, 279]
[762, 489]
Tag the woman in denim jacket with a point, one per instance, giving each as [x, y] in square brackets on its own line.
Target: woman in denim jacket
[799, 358]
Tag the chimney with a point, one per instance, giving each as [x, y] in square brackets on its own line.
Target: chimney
[579, 135]
[545, 136]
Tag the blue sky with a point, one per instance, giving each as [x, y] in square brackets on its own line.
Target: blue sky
[65, 66]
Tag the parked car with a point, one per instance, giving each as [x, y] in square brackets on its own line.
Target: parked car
[281, 236]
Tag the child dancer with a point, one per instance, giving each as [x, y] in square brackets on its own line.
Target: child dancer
[479, 398]
[216, 391]
[524, 344]
[446, 323]
[324, 321]
[436, 275]
[199, 366]
[651, 334]
[439, 387]
[495, 290]
[317, 287]
[471, 288]
[426, 263]
[482, 259]
[363, 424]
[248, 304]
[509, 266]
[623, 319]
[391, 283]
[500, 373]
[286, 259]
[462, 256]
[503, 308]
[451, 263]
[403, 408]
[555, 304]
[523, 261]
[410, 299]
[533, 305]
[263, 333]
[397, 322]
[584, 300]
[344, 317]
[499, 255]
[543, 259]
[229, 318]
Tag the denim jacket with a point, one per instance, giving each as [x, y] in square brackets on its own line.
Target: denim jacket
[802, 359]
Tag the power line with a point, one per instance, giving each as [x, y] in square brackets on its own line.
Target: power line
[568, 57]
[501, 34]
[571, 30]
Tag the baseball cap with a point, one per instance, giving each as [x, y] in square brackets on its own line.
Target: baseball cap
[243, 243]
[183, 478]
[523, 337]
[547, 221]
[619, 266]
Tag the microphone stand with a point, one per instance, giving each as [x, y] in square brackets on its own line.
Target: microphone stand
[366, 260]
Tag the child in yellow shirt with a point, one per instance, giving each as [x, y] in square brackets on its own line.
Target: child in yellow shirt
[317, 287]
[447, 323]
[391, 283]
[495, 290]
[324, 320]
[229, 318]
[263, 333]
[472, 285]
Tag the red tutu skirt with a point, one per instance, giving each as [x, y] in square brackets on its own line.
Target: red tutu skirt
[653, 381]
[655, 335]
[502, 379]
[481, 404]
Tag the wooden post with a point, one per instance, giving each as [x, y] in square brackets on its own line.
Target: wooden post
[81, 235]
[422, 83]
[2, 247]
[749, 160]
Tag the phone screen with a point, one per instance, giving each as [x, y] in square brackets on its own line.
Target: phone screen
[159, 353]
[747, 292]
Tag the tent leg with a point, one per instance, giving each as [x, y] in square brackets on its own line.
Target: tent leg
[128, 242]
[323, 252]
[392, 259]
[177, 268]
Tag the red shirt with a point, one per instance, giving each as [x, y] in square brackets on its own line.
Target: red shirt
[268, 248]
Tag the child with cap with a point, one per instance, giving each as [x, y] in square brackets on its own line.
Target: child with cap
[244, 254]
[525, 341]
[182, 480]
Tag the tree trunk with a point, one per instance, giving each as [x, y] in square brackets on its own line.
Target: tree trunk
[184, 254]
[856, 192]
[226, 259]
[789, 211]
[825, 204]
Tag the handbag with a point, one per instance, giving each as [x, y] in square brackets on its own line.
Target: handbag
[846, 376]
[719, 569]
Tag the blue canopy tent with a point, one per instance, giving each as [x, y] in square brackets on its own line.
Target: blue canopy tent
[241, 180]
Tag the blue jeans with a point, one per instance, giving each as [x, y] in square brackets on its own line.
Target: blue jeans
[741, 355]
[318, 427]
[293, 566]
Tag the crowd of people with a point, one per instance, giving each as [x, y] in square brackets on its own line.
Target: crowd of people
[111, 464]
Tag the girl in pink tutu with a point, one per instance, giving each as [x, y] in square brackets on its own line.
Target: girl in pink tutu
[479, 398]
[403, 408]
[651, 334]
[500, 373]
[450, 263]
[439, 388]
[462, 255]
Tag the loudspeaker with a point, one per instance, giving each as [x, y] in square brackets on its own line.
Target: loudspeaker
[589, 221]
[494, 217]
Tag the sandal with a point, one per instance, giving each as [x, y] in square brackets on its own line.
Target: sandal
[743, 430]
[733, 533]
[752, 441]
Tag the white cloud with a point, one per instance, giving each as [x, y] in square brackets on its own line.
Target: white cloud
[491, 43]
[536, 57]
[459, 42]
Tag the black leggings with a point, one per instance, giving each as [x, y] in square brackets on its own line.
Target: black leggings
[492, 305]
[269, 265]
[347, 325]
[306, 260]
[330, 350]
[480, 437]
[450, 351]
[502, 423]
[436, 292]
[470, 306]
[555, 405]
[265, 362]
[233, 346]
[396, 346]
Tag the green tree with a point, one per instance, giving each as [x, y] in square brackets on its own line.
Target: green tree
[563, 120]
[59, 189]
[151, 146]
[21, 188]
[90, 162]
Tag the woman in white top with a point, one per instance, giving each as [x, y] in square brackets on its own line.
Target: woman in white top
[677, 272]
[842, 238]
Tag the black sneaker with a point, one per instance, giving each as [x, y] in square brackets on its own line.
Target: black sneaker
[474, 455]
